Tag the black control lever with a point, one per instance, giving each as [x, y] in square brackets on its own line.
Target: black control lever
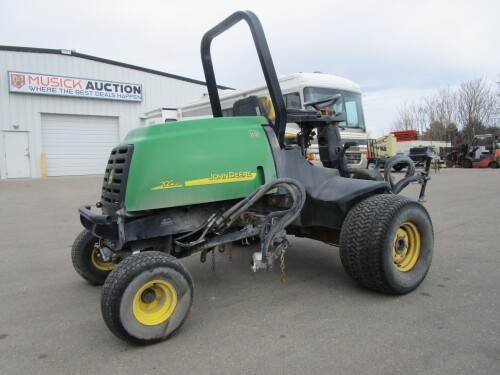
[425, 173]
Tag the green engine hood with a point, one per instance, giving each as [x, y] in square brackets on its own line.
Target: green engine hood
[197, 161]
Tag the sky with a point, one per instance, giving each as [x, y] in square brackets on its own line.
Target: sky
[396, 50]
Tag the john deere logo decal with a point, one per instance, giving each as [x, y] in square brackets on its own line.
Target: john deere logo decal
[223, 178]
[214, 178]
[17, 80]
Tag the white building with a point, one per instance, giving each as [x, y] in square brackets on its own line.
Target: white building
[61, 112]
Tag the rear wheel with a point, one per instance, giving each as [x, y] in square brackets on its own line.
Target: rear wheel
[87, 261]
[147, 297]
[493, 165]
[386, 244]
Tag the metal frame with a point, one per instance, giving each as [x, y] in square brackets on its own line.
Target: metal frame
[266, 63]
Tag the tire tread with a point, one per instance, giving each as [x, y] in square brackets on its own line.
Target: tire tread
[362, 240]
[81, 263]
[120, 278]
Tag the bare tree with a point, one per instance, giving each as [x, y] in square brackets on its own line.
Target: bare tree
[442, 107]
[496, 119]
[441, 110]
[473, 109]
[436, 131]
[411, 116]
[404, 118]
[477, 107]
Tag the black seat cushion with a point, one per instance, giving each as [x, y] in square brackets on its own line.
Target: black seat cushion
[325, 186]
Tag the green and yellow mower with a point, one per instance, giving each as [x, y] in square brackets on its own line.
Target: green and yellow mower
[160, 203]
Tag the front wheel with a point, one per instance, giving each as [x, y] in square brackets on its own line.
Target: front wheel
[493, 165]
[386, 243]
[87, 260]
[147, 297]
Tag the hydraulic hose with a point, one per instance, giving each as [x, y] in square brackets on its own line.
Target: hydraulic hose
[297, 191]
[398, 159]
[219, 222]
[410, 176]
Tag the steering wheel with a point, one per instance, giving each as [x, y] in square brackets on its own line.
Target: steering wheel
[327, 99]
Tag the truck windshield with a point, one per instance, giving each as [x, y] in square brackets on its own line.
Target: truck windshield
[350, 103]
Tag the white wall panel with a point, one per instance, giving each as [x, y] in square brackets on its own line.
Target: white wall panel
[25, 110]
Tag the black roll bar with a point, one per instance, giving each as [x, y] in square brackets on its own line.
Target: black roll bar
[266, 63]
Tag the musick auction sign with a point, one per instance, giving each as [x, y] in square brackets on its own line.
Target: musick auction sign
[42, 84]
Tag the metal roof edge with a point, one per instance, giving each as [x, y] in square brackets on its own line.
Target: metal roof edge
[105, 61]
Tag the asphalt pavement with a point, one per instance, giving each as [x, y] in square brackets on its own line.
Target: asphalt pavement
[319, 322]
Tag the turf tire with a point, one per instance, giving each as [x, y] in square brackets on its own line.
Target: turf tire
[367, 241]
[125, 281]
[81, 256]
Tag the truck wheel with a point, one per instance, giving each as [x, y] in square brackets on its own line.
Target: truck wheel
[386, 243]
[147, 297]
[371, 165]
[86, 259]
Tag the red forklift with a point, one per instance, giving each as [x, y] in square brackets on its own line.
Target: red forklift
[484, 152]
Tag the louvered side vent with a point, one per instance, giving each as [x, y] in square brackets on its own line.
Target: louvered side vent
[115, 179]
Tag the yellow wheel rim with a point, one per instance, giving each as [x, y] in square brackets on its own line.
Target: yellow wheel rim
[154, 302]
[99, 263]
[406, 247]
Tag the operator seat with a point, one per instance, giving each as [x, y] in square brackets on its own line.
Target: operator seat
[250, 106]
[326, 190]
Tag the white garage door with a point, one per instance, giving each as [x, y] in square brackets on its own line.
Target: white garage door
[78, 145]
